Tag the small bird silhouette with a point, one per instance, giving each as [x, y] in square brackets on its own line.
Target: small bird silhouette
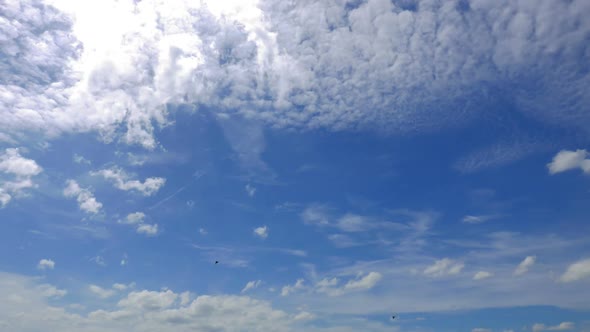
[392, 317]
[216, 262]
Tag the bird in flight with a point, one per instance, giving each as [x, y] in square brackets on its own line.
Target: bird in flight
[216, 262]
[392, 317]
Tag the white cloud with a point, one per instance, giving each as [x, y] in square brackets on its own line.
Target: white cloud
[120, 287]
[78, 159]
[567, 160]
[134, 218]
[478, 219]
[51, 291]
[360, 283]
[443, 267]
[482, 275]
[22, 170]
[367, 282]
[250, 190]
[122, 181]
[203, 231]
[257, 61]
[525, 265]
[577, 271]
[315, 215]
[289, 289]
[480, 329]
[261, 232]
[148, 300]
[149, 230]
[86, 200]
[99, 260]
[26, 309]
[563, 326]
[46, 264]
[251, 285]
[101, 292]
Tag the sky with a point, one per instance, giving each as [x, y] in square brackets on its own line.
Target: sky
[266, 165]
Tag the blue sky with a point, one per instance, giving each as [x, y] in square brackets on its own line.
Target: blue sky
[343, 161]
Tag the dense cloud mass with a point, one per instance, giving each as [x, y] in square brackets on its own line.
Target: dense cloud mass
[395, 66]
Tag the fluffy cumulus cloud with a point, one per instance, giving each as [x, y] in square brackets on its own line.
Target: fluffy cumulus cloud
[85, 197]
[16, 173]
[291, 64]
[563, 326]
[577, 271]
[289, 289]
[525, 265]
[102, 293]
[567, 160]
[444, 267]
[46, 264]
[261, 232]
[134, 218]
[138, 311]
[121, 180]
[147, 229]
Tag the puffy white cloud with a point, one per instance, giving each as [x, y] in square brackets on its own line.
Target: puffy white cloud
[302, 65]
[26, 309]
[86, 200]
[250, 190]
[563, 326]
[148, 300]
[577, 271]
[101, 292]
[443, 267]
[122, 181]
[134, 218]
[367, 282]
[567, 160]
[261, 232]
[21, 169]
[149, 230]
[251, 285]
[288, 289]
[46, 264]
[51, 291]
[482, 275]
[525, 265]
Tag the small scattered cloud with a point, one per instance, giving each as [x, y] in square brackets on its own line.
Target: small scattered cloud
[146, 229]
[190, 204]
[86, 200]
[525, 265]
[134, 218]
[478, 219]
[123, 287]
[563, 326]
[261, 232]
[251, 285]
[304, 316]
[444, 267]
[51, 291]
[99, 260]
[78, 159]
[315, 215]
[121, 180]
[480, 329]
[124, 260]
[101, 292]
[46, 264]
[366, 282]
[203, 231]
[566, 160]
[19, 167]
[577, 271]
[250, 190]
[289, 289]
[480, 275]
